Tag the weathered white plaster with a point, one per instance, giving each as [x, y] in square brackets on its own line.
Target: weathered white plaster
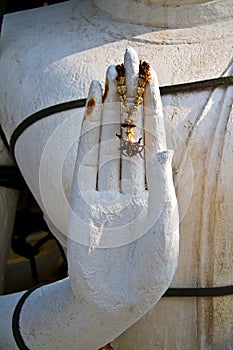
[167, 14]
[54, 53]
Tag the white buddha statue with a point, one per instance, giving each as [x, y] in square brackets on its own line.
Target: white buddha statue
[50, 55]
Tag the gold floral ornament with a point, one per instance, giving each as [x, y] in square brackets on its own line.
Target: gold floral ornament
[130, 146]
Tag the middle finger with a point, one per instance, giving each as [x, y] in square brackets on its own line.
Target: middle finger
[133, 166]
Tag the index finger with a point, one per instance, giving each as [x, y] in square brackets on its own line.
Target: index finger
[86, 166]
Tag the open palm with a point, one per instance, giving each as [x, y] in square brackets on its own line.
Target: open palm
[123, 234]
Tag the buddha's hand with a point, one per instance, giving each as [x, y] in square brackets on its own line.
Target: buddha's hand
[123, 227]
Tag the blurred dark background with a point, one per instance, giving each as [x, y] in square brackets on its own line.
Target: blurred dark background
[14, 5]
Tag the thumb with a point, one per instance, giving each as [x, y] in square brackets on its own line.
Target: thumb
[160, 185]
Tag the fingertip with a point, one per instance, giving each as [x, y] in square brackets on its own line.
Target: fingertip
[131, 63]
[159, 177]
[110, 94]
[160, 160]
[131, 55]
[95, 90]
[152, 98]
[162, 157]
[111, 73]
[94, 99]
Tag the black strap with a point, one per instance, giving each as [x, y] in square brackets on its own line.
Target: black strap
[199, 292]
[3, 137]
[15, 319]
[197, 85]
[165, 90]
[171, 292]
[65, 106]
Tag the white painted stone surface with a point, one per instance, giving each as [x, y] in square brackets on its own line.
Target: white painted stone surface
[54, 53]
